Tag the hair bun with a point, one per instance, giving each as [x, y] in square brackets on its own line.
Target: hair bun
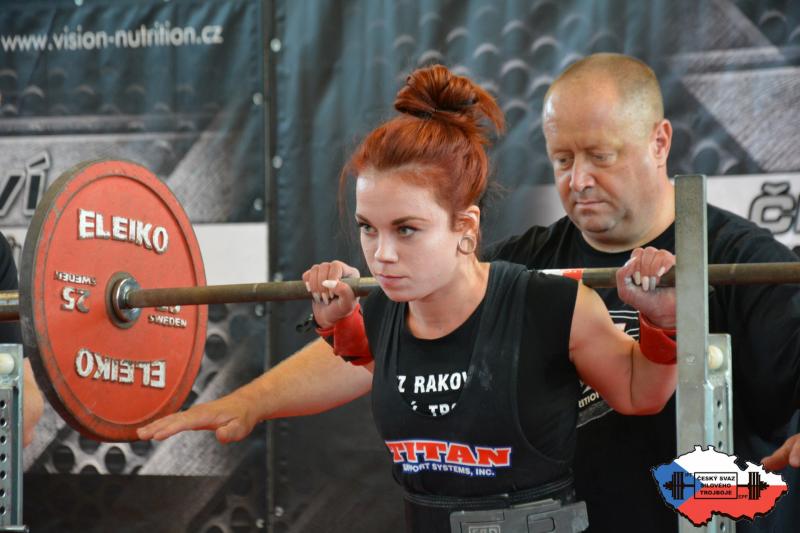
[435, 92]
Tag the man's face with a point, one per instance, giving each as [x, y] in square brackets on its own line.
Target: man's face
[605, 168]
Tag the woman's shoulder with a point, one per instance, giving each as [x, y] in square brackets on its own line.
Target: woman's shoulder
[555, 294]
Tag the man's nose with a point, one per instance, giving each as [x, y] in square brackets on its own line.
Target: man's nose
[581, 177]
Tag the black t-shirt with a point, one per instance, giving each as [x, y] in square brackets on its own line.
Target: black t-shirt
[615, 452]
[520, 391]
[9, 331]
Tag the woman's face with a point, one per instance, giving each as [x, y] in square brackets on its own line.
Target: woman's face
[406, 236]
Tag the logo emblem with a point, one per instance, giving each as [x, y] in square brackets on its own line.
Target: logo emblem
[705, 481]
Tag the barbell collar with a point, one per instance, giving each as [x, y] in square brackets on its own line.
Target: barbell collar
[121, 286]
[9, 305]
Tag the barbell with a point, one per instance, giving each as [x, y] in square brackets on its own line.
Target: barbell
[108, 241]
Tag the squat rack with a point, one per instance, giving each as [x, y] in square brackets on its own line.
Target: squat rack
[704, 395]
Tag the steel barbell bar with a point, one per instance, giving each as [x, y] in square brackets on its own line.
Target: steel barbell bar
[598, 278]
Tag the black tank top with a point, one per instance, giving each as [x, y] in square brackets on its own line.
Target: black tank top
[478, 448]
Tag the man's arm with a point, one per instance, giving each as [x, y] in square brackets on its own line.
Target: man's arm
[32, 403]
[310, 381]
[764, 324]
[766, 346]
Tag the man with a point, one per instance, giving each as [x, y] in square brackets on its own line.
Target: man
[608, 141]
[32, 402]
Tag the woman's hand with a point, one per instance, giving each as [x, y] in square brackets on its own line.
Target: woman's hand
[333, 300]
[231, 418]
[637, 285]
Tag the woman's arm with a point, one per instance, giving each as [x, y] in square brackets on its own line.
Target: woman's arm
[310, 381]
[609, 360]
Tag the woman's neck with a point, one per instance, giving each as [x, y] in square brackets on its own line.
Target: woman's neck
[444, 310]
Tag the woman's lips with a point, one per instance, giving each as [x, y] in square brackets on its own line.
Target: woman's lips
[387, 279]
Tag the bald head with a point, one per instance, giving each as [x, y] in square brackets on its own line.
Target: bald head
[629, 83]
[608, 142]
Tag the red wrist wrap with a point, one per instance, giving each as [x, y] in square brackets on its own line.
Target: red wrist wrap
[349, 338]
[657, 344]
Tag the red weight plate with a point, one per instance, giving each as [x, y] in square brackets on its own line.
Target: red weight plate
[99, 219]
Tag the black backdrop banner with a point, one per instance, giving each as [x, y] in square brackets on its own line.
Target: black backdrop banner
[730, 77]
[177, 86]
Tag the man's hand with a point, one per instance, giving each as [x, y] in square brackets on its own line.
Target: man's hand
[230, 417]
[637, 281]
[788, 454]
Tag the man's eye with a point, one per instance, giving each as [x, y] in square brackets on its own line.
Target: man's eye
[605, 158]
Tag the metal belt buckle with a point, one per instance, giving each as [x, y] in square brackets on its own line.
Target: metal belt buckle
[544, 516]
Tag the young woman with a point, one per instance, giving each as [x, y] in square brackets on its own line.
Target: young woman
[476, 365]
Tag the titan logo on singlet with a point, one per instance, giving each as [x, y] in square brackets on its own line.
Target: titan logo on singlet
[442, 456]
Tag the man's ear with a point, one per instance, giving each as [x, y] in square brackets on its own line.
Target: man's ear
[661, 142]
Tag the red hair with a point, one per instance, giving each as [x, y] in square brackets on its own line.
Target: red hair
[437, 137]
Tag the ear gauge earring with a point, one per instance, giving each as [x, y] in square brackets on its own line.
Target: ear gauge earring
[470, 246]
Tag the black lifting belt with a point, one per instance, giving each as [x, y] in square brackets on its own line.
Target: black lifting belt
[548, 508]
[543, 516]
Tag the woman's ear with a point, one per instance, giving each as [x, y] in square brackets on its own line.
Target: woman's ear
[469, 219]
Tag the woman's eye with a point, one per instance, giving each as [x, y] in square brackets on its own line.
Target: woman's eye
[365, 228]
[406, 230]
